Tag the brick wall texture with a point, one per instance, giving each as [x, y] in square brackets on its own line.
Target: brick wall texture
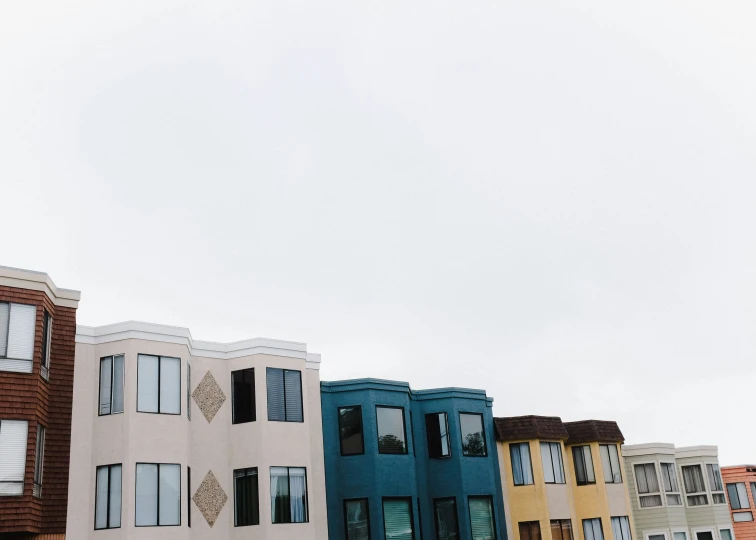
[747, 474]
[27, 396]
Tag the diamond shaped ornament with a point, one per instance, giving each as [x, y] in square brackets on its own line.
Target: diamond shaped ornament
[210, 498]
[208, 396]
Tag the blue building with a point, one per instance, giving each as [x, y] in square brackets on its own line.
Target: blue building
[403, 464]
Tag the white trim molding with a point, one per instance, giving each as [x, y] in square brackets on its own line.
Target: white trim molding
[38, 281]
[96, 335]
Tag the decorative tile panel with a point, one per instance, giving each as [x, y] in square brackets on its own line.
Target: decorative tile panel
[210, 498]
[209, 396]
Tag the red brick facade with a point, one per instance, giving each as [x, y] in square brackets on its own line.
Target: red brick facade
[27, 396]
[745, 530]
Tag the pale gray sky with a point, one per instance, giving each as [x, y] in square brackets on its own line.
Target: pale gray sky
[550, 200]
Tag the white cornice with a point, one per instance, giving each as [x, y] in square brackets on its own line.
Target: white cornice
[39, 281]
[696, 451]
[629, 450]
[182, 336]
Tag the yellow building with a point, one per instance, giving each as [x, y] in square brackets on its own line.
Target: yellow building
[563, 481]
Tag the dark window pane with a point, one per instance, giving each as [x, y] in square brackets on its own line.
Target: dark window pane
[530, 530]
[350, 430]
[293, 390]
[473, 438]
[246, 493]
[446, 519]
[243, 396]
[437, 428]
[391, 431]
[357, 521]
[276, 405]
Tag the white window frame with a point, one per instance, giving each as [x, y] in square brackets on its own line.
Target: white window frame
[679, 491]
[685, 531]
[714, 533]
[638, 494]
[711, 488]
[648, 534]
[707, 490]
[731, 529]
[4, 355]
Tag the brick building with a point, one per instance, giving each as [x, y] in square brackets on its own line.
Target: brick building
[37, 344]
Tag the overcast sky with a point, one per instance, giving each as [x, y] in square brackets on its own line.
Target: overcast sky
[553, 201]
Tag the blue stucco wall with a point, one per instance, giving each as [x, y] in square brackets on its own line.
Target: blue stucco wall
[374, 476]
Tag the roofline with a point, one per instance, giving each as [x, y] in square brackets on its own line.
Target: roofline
[39, 281]
[350, 385]
[630, 450]
[97, 335]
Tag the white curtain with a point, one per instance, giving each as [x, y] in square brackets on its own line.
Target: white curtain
[170, 385]
[170, 495]
[298, 494]
[146, 494]
[101, 498]
[115, 495]
[147, 383]
[693, 479]
[279, 492]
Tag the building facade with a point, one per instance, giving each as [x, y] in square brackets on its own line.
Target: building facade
[37, 328]
[677, 493]
[563, 481]
[404, 464]
[178, 439]
[740, 483]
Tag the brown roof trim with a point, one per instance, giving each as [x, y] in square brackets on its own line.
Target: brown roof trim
[585, 431]
[514, 428]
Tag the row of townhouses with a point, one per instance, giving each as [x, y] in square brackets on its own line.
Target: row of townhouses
[138, 431]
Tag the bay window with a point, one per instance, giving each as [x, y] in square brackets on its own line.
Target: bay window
[108, 497]
[111, 385]
[522, 468]
[17, 328]
[551, 459]
[695, 489]
[288, 494]
[284, 395]
[648, 485]
[610, 462]
[583, 459]
[13, 435]
[158, 494]
[158, 384]
[671, 486]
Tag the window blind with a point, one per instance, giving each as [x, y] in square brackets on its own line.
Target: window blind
[276, 403]
[17, 325]
[481, 518]
[621, 528]
[13, 435]
[293, 393]
[397, 519]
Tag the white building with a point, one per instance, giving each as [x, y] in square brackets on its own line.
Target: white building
[165, 446]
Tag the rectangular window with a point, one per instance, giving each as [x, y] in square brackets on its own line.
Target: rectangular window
[725, 534]
[473, 436]
[695, 489]
[680, 535]
[111, 385]
[621, 528]
[530, 530]
[561, 529]
[357, 519]
[17, 326]
[584, 473]
[610, 462]
[437, 430]
[522, 469]
[481, 518]
[284, 395]
[648, 485]
[739, 517]
[46, 345]
[158, 494]
[243, 396]
[13, 435]
[189, 392]
[671, 486]
[39, 462]
[447, 527]
[753, 491]
[288, 494]
[392, 435]
[108, 497]
[350, 431]
[189, 497]
[158, 384]
[246, 498]
[715, 483]
[738, 496]
[397, 519]
[551, 459]
[593, 530]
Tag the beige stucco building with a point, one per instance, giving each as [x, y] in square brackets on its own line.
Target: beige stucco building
[174, 438]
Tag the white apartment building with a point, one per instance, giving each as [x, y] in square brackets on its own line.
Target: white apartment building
[177, 439]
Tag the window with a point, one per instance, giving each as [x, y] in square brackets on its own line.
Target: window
[17, 327]
[753, 491]
[288, 494]
[739, 517]
[419, 516]
[705, 535]
[108, 497]
[715, 483]
[648, 485]
[189, 496]
[481, 518]
[522, 470]
[13, 434]
[357, 519]
[610, 462]
[584, 474]
[530, 530]
[738, 496]
[158, 384]
[189, 392]
[551, 458]
[561, 529]
[46, 345]
[350, 431]
[473, 436]
[437, 428]
[243, 396]
[392, 437]
[111, 385]
[661, 536]
[694, 485]
[671, 487]
[39, 462]
[246, 498]
[621, 528]
[158, 494]
[725, 534]
[679, 535]
[447, 527]
[397, 519]
[592, 529]
[284, 395]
